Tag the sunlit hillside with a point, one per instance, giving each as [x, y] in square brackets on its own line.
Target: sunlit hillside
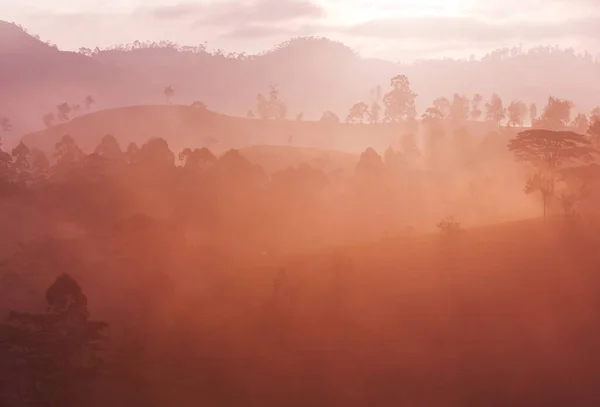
[187, 126]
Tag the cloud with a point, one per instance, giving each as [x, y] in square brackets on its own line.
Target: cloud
[177, 11]
[233, 12]
[474, 30]
[250, 32]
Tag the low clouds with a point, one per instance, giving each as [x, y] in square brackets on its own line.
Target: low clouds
[405, 27]
[234, 12]
[475, 30]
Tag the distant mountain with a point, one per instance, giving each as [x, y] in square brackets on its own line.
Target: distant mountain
[313, 75]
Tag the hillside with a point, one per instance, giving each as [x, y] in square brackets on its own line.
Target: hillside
[313, 75]
[186, 126]
[504, 315]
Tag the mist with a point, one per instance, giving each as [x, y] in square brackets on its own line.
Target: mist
[302, 226]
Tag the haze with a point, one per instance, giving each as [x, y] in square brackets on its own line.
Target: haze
[392, 30]
[293, 203]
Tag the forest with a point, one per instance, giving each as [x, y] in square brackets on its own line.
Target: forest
[138, 276]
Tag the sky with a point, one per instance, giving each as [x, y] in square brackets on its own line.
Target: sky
[398, 30]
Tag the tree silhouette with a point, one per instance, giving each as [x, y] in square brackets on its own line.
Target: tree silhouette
[329, 117]
[21, 165]
[57, 352]
[432, 114]
[359, 113]
[5, 126]
[595, 113]
[271, 107]
[67, 152]
[443, 106]
[516, 113]
[64, 110]
[580, 123]
[557, 113]
[547, 151]
[459, 109]
[400, 100]
[199, 105]
[109, 148]
[375, 109]
[131, 154]
[48, 119]
[88, 102]
[155, 153]
[39, 164]
[475, 107]
[533, 113]
[594, 131]
[494, 110]
[196, 158]
[169, 92]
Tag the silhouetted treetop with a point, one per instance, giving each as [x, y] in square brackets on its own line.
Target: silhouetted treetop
[549, 149]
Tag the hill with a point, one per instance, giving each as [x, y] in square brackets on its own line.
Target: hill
[186, 126]
[504, 315]
[314, 75]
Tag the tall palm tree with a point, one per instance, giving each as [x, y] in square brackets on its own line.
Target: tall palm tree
[5, 125]
[169, 93]
[88, 102]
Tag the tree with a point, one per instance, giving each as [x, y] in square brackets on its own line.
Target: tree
[359, 112]
[494, 110]
[547, 151]
[533, 113]
[557, 112]
[400, 100]
[370, 165]
[48, 119]
[475, 107]
[543, 183]
[39, 163]
[196, 158]
[198, 105]
[432, 114]
[250, 114]
[21, 165]
[56, 353]
[131, 154]
[443, 106]
[516, 113]
[581, 123]
[375, 110]
[595, 113]
[5, 125]
[64, 110]
[155, 153]
[459, 109]
[88, 102]
[169, 92]
[594, 131]
[272, 107]
[67, 152]
[329, 117]
[109, 148]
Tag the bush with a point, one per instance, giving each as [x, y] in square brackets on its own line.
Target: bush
[449, 225]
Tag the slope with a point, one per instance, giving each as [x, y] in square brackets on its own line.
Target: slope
[186, 126]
